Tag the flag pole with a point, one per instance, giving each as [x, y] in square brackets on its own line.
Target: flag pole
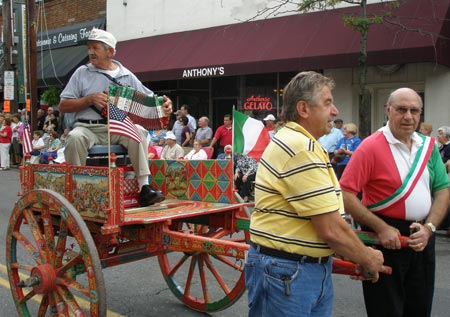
[108, 136]
[232, 136]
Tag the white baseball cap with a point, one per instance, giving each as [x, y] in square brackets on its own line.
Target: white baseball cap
[170, 135]
[269, 117]
[103, 36]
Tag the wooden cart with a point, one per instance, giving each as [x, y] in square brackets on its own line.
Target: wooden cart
[72, 222]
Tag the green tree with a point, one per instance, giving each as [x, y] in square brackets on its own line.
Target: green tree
[51, 96]
[360, 24]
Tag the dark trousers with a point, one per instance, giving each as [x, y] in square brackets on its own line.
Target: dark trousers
[409, 290]
[244, 188]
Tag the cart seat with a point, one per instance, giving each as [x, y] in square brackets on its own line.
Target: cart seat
[98, 154]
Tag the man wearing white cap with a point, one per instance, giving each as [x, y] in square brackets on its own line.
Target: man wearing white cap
[86, 96]
[270, 124]
[172, 150]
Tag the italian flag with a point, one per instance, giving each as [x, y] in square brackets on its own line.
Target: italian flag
[249, 136]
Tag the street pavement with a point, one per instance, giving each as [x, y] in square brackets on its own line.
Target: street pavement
[138, 289]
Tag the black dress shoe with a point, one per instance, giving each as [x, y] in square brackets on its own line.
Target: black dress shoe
[149, 195]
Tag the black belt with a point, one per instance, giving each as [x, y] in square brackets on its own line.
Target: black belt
[289, 256]
[101, 121]
[401, 224]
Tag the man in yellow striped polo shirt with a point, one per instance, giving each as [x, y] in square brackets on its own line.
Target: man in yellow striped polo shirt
[297, 222]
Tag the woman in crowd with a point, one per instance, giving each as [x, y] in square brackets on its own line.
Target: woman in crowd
[185, 132]
[5, 141]
[157, 136]
[54, 145]
[152, 152]
[16, 146]
[345, 147]
[244, 175]
[197, 153]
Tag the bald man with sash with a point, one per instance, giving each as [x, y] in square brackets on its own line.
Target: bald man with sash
[405, 192]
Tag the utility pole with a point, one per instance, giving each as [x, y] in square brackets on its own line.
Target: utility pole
[8, 47]
[32, 61]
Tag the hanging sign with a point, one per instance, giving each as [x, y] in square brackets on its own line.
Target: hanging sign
[258, 103]
[7, 106]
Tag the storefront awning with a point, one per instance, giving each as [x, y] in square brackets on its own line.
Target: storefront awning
[54, 67]
[310, 41]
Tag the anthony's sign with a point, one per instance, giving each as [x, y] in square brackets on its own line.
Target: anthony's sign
[204, 72]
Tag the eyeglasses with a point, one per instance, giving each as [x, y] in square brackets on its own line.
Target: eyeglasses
[403, 110]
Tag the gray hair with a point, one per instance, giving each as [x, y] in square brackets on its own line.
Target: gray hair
[305, 86]
[445, 130]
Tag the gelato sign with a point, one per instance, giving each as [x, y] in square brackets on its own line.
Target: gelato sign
[258, 103]
[67, 36]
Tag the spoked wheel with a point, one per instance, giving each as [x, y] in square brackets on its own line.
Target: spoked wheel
[52, 261]
[202, 281]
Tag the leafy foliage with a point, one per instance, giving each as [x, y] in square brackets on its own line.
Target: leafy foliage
[51, 96]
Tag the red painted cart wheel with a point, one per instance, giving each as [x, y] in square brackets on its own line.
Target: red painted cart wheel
[202, 281]
[53, 265]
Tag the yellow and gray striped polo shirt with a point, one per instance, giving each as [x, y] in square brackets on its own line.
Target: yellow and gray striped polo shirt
[294, 182]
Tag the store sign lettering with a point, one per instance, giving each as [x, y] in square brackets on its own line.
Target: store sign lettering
[258, 103]
[67, 36]
[204, 72]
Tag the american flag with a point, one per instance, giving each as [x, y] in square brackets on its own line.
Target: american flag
[120, 124]
[27, 144]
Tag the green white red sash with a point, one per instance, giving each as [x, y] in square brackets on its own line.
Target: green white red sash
[410, 181]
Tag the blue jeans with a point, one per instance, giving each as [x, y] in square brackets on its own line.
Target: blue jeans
[279, 287]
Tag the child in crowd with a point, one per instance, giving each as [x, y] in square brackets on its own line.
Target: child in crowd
[38, 145]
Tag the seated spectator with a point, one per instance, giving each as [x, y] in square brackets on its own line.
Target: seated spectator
[52, 150]
[172, 150]
[152, 152]
[244, 175]
[38, 145]
[197, 153]
[52, 122]
[63, 136]
[227, 154]
[157, 136]
[204, 133]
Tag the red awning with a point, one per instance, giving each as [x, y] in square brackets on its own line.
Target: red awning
[310, 41]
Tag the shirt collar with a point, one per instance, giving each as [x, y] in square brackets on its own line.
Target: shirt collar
[416, 139]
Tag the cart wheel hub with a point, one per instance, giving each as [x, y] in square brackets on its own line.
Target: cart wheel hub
[47, 278]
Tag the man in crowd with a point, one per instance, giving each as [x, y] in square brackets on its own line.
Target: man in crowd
[204, 132]
[224, 134]
[405, 192]
[330, 140]
[40, 120]
[192, 123]
[270, 124]
[86, 95]
[339, 124]
[177, 128]
[297, 222]
[172, 150]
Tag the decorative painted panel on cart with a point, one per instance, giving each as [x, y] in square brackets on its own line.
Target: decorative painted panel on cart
[50, 177]
[199, 180]
[89, 191]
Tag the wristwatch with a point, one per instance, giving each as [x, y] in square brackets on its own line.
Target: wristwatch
[430, 226]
